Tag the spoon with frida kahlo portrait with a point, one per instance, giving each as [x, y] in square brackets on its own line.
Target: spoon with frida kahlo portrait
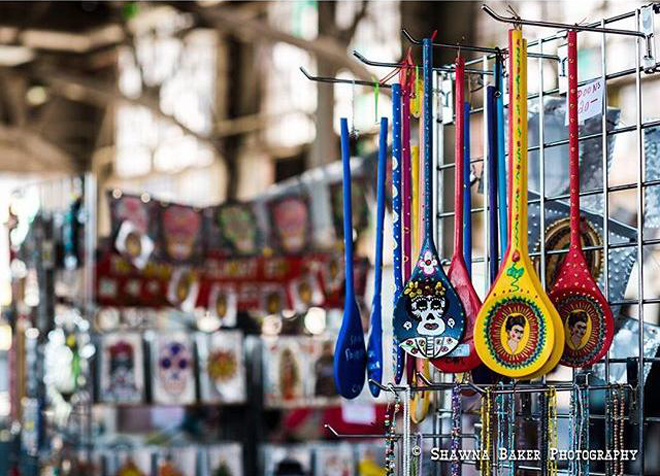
[587, 317]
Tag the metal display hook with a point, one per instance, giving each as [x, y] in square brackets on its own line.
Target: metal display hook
[478, 49]
[326, 79]
[515, 20]
[442, 69]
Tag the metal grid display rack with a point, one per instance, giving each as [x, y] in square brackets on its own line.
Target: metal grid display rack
[635, 30]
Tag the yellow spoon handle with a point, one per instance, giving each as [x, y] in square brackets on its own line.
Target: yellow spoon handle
[518, 145]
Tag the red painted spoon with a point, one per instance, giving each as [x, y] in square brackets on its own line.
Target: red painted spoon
[464, 357]
[584, 311]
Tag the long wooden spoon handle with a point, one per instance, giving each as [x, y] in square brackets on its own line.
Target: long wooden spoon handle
[459, 150]
[427, 60]
[348, 209]
[380, 207]
[518, 140]
[573, 145]
[501, 157]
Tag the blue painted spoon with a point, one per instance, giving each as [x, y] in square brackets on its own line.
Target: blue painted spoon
[493, 182]
[467, 197]
[375, 342]
[398, 357]
[350, 359]
[429, 319]
[501, 157]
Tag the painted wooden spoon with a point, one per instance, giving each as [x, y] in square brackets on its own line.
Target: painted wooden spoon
[464, 357]
[501, 156]
[467, 197]
[429, 318]
[398, 356]
[586, 315]
[375, 341]
[515, 331]
[491, 127]
[350, 359]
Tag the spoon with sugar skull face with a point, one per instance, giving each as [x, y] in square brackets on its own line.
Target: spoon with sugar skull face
[429, 318]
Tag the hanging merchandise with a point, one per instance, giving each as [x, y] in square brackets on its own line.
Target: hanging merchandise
[579, 437]
[172, 374]
[305, 292]
[334, 460]
[350, 353]
[501, 155]
[129, 468]
[121, 368]
[466, 185]
[516, 327]
[429, 319]
[486, 442]
[493, 182]
[391, 436]
[290, 223]
[223, 304]
[456, 429]
[181, 229]
[182, 289]
[223, 459]
[398, 356]
[134, 226]
[375, 340]
[221, 367]
[273, 299]
[360, 207]
[233, 229]
[586, 315]
[286, 370]
[464, 357]
[322, 375]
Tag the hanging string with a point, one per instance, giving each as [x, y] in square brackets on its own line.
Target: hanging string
[376, 94]
[354, 131]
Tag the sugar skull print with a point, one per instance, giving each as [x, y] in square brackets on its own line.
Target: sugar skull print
[174, 367]
[436, 332]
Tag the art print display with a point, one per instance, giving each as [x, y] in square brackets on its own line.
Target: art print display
[359, 203]
[237, 228]
[273, 299]
[323, 369]
[183, 289]
[290, 223]
[334, 460]
[223, 304]
[181, 230]
[221, 367]
[224, 459]
[172, 368]
[177, 461]
[135, 245]
[305, 292]
[142, 214]
[121, 368]
[287, 460]
[286, 367]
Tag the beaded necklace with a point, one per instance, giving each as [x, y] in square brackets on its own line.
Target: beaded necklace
[455, 469]
[390, 437]
[486, 433]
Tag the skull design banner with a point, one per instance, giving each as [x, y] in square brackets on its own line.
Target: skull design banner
[172, 374]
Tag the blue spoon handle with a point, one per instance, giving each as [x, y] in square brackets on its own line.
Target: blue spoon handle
[375, 344]
[492, 183]
[398, 355]
[467, 198]
[350, 359]
[501, 158]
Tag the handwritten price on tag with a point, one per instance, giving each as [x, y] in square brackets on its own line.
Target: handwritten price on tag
[590, 100]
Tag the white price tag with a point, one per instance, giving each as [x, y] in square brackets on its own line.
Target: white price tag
[590, 100]
[358, 413]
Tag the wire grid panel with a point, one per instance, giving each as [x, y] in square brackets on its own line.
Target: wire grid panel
[602, 192]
